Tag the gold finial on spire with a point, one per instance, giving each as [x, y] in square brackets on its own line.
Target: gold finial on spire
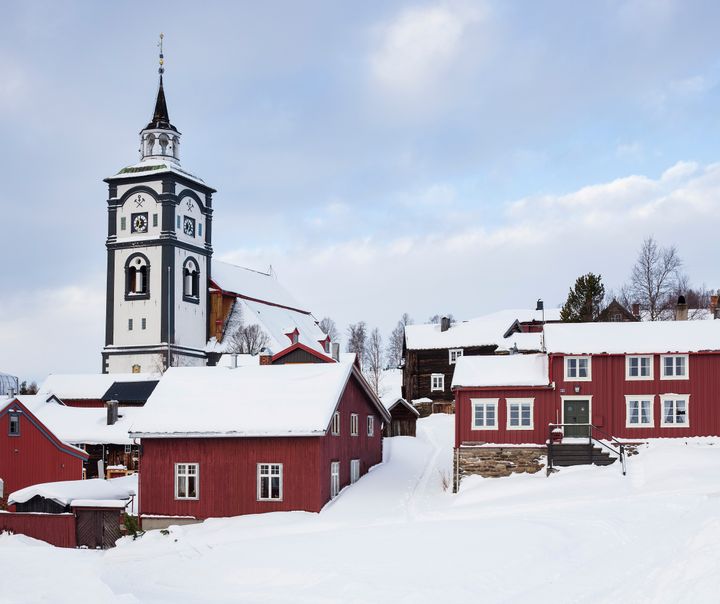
[161, 69]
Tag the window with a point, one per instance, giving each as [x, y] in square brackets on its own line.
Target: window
[639, 411]
[520, 413]
[123, 223]
[336, 423]
[484, 413]
[191, 281]
[137, 277]
[354, 470]
[130, 324]
[639, 367]
[334, 479]
[128, 449]
[370, 425]
[14, 424]
[155, 220]
[577, 369]
[178, 222]
[186, 480]
[437, 382]
[674, 367]
[269, 481]
[675, 411]
[200, 229]
[143, 323]
[354, 424]
[455, 354]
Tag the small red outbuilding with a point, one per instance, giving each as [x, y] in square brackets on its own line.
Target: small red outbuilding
[30, 452]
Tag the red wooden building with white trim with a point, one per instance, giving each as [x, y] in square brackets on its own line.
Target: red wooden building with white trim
[630, 380]
[30, 452]
[222, 442]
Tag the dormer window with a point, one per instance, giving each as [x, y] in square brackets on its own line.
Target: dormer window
[137, 277]
[191, 281]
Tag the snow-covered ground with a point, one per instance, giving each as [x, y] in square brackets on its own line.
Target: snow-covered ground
[586, 534]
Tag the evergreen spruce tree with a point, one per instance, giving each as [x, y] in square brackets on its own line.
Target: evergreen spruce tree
[584, 300]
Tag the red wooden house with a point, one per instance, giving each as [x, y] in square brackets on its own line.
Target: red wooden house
[30, 452]
[631, 380]
[224, 442]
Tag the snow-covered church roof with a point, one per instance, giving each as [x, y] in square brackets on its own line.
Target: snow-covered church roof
[261, 300]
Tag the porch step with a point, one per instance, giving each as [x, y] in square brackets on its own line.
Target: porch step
[577, 455]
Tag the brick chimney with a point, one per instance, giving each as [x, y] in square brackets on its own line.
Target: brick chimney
[714, 306]
[636, 309]
[681, 310]
[335, 346]
[266, 357]
[444, 324]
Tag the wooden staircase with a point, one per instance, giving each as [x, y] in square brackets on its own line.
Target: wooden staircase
[580, 454]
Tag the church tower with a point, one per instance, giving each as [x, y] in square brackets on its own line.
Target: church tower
[159, 248]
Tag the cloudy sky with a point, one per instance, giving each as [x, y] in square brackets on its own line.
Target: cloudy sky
[383, 157]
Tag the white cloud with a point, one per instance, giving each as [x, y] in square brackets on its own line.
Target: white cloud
[53, 330]
[419, 45]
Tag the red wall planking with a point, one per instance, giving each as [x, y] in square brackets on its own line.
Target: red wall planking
[55, 529]
[36, 455]
[607, 392]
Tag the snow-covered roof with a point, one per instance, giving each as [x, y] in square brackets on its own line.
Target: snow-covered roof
[253, 284]
[155, 166]
[87, 426]
[263, 400]
[390, 386]
[90, 386]
[67, 491]
[522, 342]
[487, 330]
[501, 370]
[8, 383]
[632, 337]
[264, 302]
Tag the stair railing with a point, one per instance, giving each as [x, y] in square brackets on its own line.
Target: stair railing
[618, 449]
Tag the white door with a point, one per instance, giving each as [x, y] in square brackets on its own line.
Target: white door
[334, 478]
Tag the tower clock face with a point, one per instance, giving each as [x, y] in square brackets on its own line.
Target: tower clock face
[189, 226]
[139, 223]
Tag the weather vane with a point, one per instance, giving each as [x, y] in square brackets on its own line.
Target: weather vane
[161, 69]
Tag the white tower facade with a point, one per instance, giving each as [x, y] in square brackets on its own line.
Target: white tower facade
[159, 248]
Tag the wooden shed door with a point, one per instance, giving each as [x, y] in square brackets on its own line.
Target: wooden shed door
[97, 528]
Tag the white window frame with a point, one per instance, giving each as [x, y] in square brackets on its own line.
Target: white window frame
[521, 402]
[334, 479]
[128, 449]
[335, 427]
[441, 378]
[674, 397]
[354, 424]
[370, 425]
[476, 402]
[269, 476]
[651, 367]
[639, 398]
[187, 475]
[568, 378]
[454, 354]
[354, 470]
[664, 376]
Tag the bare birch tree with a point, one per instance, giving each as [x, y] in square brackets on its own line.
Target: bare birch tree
[357, 339]
[374, 360]
[329, 328]
[396, 341]
[654, 278]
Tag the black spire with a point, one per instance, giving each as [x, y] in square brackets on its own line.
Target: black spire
[160, 118]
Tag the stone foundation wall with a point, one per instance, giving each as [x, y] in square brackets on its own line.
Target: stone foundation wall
[151, 523]
[495, 462]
